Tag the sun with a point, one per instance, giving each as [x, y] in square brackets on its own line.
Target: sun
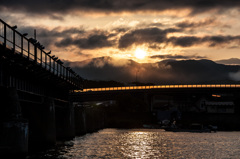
[140, 53]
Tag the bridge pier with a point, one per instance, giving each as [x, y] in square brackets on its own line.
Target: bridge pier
[65, 121]
[14, 129]
[42, 127]
[80, 120]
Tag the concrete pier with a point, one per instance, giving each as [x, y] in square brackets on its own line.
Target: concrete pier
[80, 120]
[65, 122]
[14, 138]
[14, 129]
[42, 127]
[88, 119]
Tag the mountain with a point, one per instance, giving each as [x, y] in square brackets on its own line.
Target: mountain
[231, 61]
[162, 72]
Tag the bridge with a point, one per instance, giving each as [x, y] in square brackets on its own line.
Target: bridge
[110, 93]
[217, 104]
[34, 88]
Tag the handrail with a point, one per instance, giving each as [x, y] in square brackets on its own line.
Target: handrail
[34, 51]
[159, 87]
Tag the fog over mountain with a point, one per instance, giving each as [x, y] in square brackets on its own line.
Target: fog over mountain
[163, 72]
[231, 61]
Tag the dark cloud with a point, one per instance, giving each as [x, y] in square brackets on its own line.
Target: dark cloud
[186, 41]
[153, 36]
[46, 6]
[49, 37]
[147, 35]
[93, 39]
[91, 42]
[193, 25]
[175, 57]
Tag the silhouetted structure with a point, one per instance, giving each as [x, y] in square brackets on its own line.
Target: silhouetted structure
[34, 88]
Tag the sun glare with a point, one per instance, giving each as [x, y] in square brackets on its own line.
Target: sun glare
[140, 53]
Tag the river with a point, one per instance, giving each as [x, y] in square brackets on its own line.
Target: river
[147, 143]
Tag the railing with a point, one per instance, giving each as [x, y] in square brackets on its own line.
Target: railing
[160, 87]
[34, 51]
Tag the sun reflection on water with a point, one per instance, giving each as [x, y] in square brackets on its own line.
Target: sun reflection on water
[148, 144]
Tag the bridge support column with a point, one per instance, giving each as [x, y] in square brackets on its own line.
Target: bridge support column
[90, 120]
[14, 129]
[48, 125]
[42, 128]
[94, 119]
[80, 120]
[65, 122]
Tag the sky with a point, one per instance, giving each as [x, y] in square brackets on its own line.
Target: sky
[145, 31]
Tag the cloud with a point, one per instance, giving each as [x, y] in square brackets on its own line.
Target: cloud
[49, 36]
[218, 40]
[185, 41]
[146, 35]
[231, 61]
[154, 36]
[193, 25]
[53, 6]
[93, 41]
[235, 76]
[175, 57]
[123, 38]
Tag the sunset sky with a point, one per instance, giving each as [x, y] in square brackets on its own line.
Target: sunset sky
[145, 31]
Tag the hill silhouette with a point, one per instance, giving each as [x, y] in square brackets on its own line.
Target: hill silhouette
[162, 72]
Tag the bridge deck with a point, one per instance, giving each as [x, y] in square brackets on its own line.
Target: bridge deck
[159, 87]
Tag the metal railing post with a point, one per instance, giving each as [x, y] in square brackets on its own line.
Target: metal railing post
[13, 40]
[41, 57]
[28, 50]
[5, 36]
[57, 68]
[21, 45]
[46, 61]
[50, 64]
[35, 53]
[53, 67]
[61, 71]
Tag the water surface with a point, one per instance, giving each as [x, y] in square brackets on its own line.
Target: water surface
[147, 143]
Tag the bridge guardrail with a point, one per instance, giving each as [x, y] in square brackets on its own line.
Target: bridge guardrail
[34, 51]
[160, 87]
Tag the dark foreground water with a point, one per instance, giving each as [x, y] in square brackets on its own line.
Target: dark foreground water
[147, 143]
